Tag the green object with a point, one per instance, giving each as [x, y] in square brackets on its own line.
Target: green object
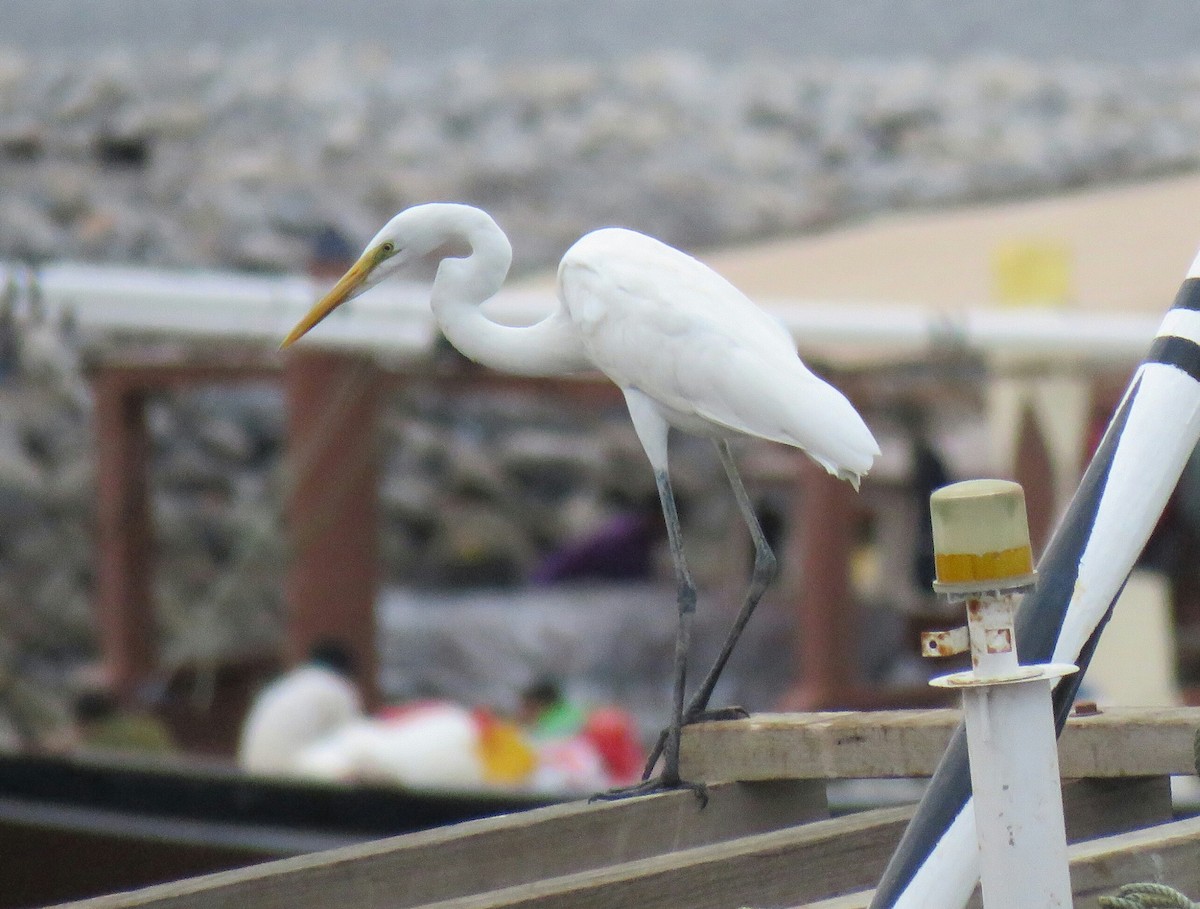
[560, 720]
[1147, 896]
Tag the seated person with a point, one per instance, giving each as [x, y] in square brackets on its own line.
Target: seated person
[300, 707]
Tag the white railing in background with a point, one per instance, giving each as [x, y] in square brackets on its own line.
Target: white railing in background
[394, 318]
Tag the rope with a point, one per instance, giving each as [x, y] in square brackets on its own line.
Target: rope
[1147, 896]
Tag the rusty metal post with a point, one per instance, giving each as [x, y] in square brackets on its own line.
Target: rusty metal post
[124, 566]
[826, 655]
[332, 575]
[1034, 470]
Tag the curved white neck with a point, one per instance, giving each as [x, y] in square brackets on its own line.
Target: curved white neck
[549, 347]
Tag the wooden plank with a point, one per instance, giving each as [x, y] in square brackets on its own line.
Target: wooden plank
[492, 853]
[1164, 854]
[860, 899]
[649, 853]
[768, 869]
[1117, 742]
[1168, 854]
[799, 862]
[1103, 807]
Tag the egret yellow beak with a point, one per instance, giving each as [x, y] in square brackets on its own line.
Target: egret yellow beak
[349, 284]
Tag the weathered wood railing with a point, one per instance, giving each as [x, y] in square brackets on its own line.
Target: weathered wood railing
[763, 840]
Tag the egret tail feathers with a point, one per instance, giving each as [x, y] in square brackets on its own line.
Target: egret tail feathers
[853, 477]
[826, 426]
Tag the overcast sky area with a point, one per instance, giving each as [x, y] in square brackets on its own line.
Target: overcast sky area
[1094, 30]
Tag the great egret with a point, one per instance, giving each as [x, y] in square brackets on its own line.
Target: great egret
[687, 349]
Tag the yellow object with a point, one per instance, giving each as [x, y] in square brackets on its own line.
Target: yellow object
[980, 532]
[960, 567]
[507, 757]
[1032, 273]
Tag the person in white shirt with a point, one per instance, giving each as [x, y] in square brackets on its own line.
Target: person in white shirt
[300, 707]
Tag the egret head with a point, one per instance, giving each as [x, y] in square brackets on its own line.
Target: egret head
[408, 236]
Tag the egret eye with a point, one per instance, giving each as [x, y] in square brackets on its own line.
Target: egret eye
[384, 251]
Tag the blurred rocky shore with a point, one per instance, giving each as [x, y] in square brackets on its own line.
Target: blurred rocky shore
[242, 159]
[238, 157]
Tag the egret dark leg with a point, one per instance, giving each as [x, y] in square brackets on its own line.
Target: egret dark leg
[686, 600]
[668, 746]
[766, 568]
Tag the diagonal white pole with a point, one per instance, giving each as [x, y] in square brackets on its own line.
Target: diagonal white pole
[1081, 574]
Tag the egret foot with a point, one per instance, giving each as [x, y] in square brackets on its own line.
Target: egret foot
[708, 715]
[652, 786]
[717, 715]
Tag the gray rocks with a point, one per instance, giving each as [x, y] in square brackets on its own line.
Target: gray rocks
[239, 157]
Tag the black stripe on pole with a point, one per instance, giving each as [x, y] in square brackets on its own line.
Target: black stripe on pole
[1039, 620]
[1188, 296]
[1178, 352]
[944, 800]
[1042, 611]
[1068, 687]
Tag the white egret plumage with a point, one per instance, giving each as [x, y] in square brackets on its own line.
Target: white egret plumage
[687, 349]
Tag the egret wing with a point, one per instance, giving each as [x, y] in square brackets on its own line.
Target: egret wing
[659, 321]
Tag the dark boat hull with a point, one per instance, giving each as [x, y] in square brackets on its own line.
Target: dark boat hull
[77, 827]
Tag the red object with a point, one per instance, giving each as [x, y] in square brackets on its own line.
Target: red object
[613, 733]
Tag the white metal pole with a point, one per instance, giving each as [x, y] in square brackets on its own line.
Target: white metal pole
[1018, 802]
[981, 542]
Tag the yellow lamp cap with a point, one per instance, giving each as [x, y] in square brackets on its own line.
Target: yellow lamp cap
[981, 535]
